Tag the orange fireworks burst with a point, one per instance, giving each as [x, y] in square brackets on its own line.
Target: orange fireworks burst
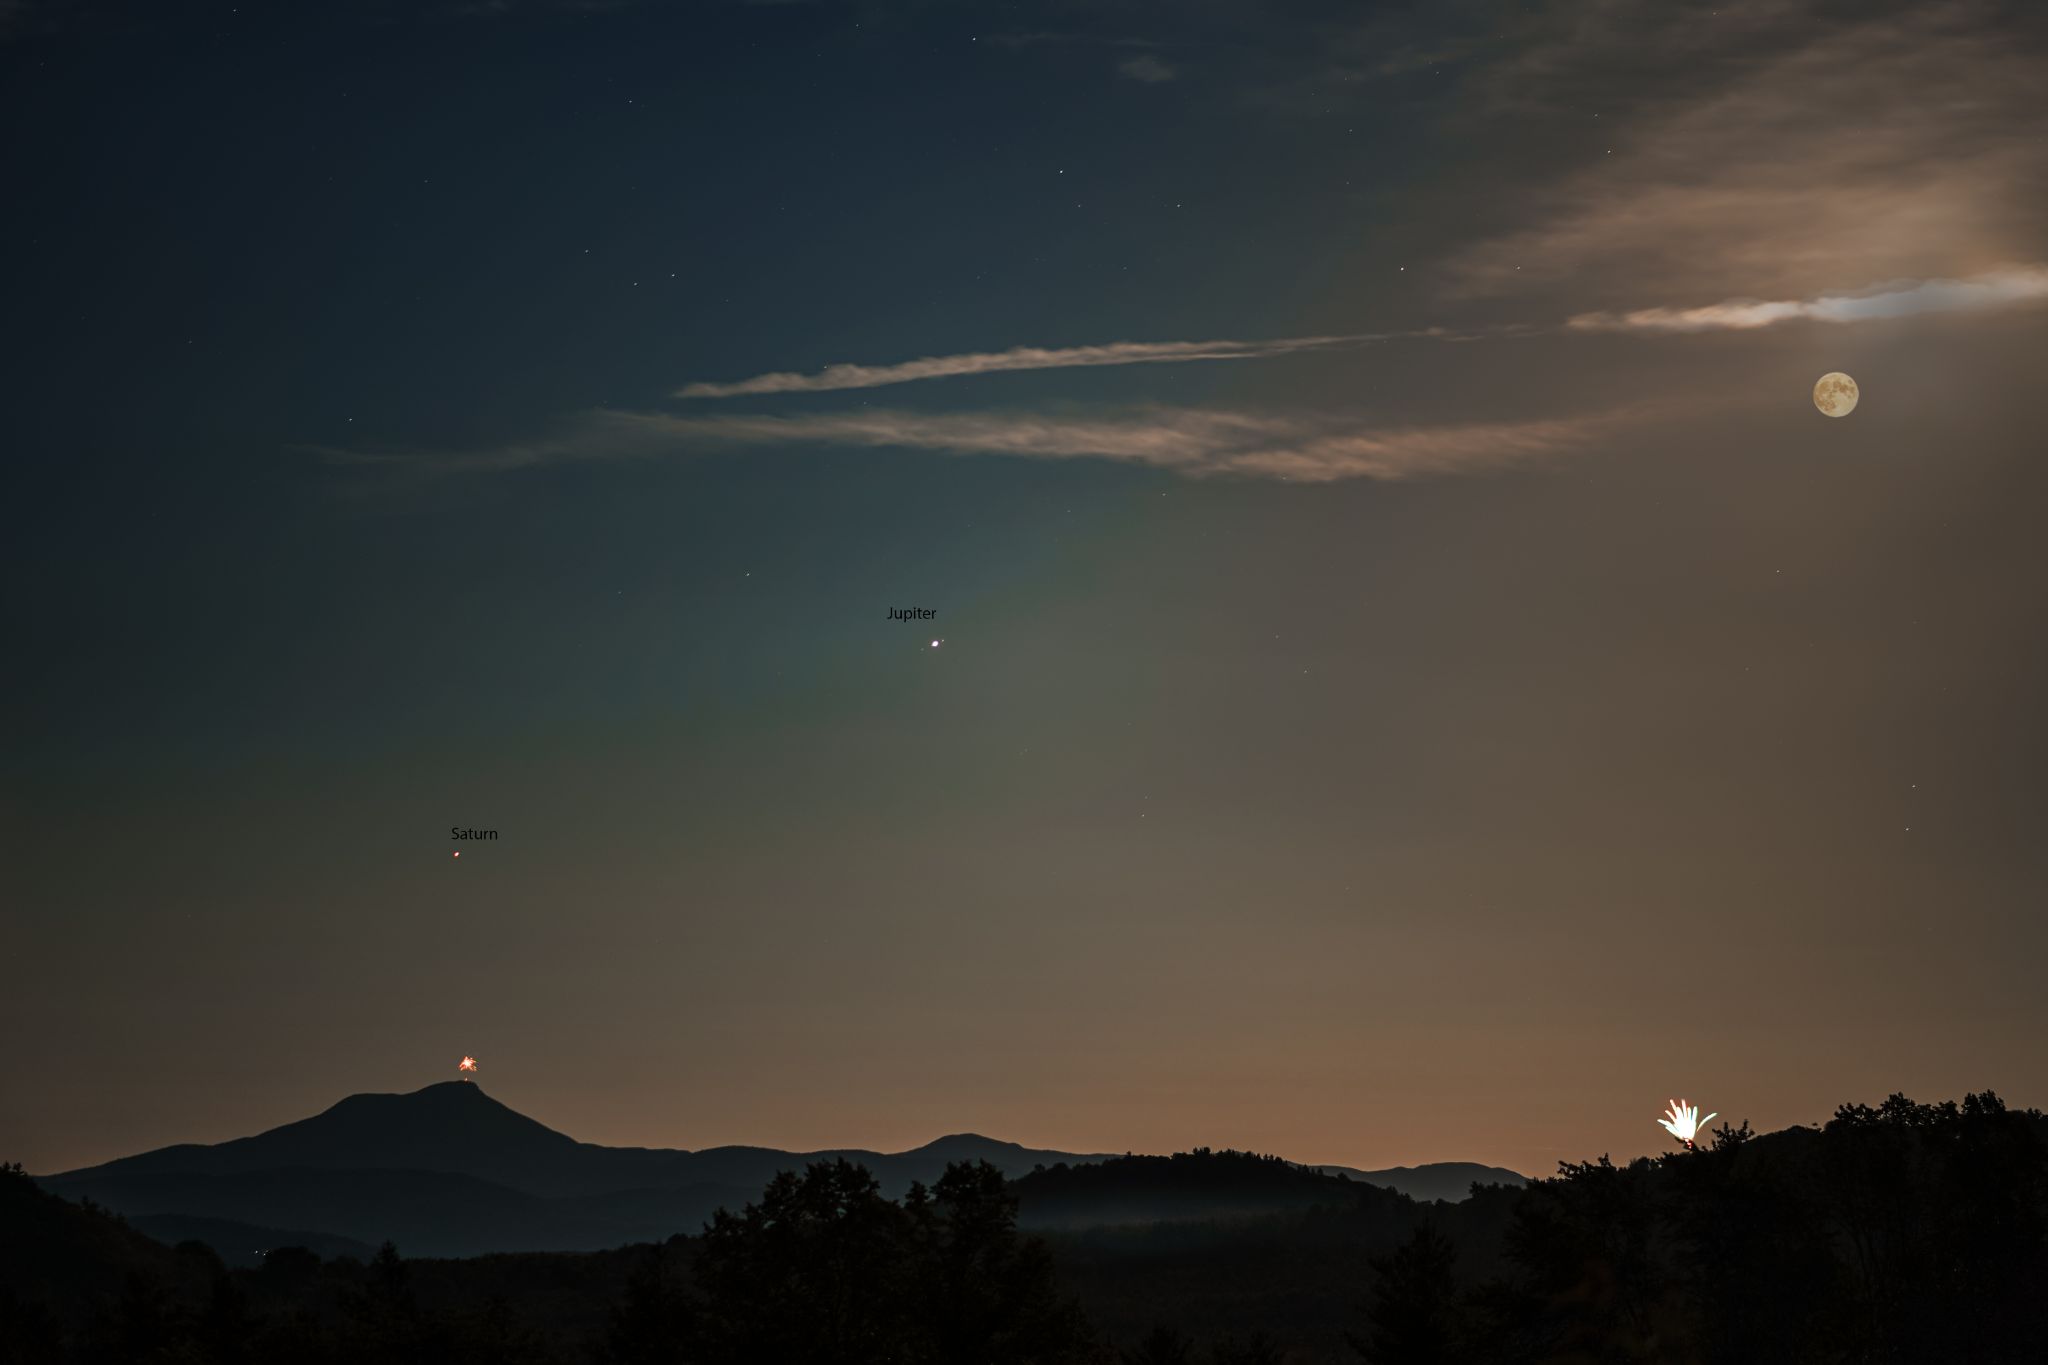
[467, 1065]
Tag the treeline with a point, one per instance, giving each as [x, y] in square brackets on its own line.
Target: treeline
[822, 1269]
[1909, 1233]
[1901, 1233]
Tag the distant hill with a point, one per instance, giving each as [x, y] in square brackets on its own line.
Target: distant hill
[64, 1267]
[246, 1244]
[1188, 1187]
[450, 1171]
[1449, 1181]
[429, 1213]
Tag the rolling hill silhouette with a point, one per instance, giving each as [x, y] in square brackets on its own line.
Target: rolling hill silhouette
[62, 1256]
[246, 1244]
[450, 1171]
[1195, 1186]
[1449, 1181]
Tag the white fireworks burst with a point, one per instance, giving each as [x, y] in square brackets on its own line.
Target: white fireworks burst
[1683, 1120]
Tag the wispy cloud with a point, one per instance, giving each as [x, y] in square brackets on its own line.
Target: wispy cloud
[1895, 298]
[1193, 442]
[1028, 358]
[1778, 147]
[1147, 68]
[2017, 284]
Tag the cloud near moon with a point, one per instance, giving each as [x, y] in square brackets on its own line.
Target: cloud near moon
[1995, 288]
[2010, 285]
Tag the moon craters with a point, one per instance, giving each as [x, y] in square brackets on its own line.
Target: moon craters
[1835, 394]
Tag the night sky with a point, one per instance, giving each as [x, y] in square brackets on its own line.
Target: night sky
[1420, 679]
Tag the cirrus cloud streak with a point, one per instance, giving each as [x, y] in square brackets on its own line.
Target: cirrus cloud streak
[1192, 442]
[2017, 284]
[1033, 358]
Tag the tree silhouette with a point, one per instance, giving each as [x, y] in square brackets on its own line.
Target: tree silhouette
[1414, 1315]
[1160, 1346]
[1256, 1349]
[814, 1274]
[825, 1271]
[657, 1323]
[384, 1320]
[988, 1295]
[222, 1331]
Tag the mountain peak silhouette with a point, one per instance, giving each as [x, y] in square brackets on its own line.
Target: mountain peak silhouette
[452, 1127]
[445, 1122]
[975, 1147]
[442, 1101]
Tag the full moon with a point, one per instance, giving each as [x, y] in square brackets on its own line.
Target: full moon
[1835, 394]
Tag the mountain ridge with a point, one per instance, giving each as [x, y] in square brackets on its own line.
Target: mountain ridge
[461, 1145]
[451, 1170]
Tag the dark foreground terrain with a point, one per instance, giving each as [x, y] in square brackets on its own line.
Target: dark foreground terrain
[1905, 1233]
